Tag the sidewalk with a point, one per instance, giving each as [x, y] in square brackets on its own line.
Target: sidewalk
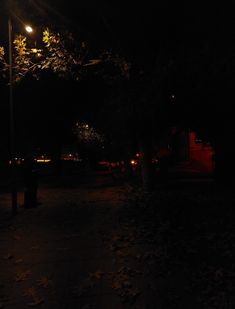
[85, 248]
[69, 253]
[53, 256]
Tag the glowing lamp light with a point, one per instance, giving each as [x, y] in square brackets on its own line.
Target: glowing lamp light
[29, 29]
[133, 162]
[43, 160]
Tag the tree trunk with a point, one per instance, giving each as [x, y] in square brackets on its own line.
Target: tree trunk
[145, 149]
[56, 159]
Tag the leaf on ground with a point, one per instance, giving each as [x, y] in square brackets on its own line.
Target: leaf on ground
[35, 297]
[36, 303]
[17, 237]
[22, 275]
[69, 236]
[116, 285]
[75, 235]
[44, 282]
[30, 292]
[219, 273]
[87, 306]
[84, 287]
[118, 280]
[121, 254]
[18, 261]
[35, 247]
[97, 274]
[121, 283]
[8, 256]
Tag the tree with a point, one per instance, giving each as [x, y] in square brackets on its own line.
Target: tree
[140, 88]
[59, 54]
[89, 141]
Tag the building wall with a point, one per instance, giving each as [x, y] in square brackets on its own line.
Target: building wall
[201, 154]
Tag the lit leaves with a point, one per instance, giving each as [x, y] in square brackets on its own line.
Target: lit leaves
[3, 63]
[2, 53]
[24, 59]
[50, 38]
[63, 55]
[56, 56]
[20, 45]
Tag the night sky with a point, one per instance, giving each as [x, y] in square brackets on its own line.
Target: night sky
[136, 31]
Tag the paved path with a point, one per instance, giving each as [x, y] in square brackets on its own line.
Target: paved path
[54, 256]
[83, 247]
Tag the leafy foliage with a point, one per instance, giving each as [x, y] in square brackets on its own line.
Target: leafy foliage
[63, 55]
[3, 64]
[87, 134]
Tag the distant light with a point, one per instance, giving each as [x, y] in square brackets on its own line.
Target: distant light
[133, 162]
[43, 160]
[173, 96]
[29, 29]
[87, 126]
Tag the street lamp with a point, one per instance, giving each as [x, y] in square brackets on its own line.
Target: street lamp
[12, 126]
[29, 29]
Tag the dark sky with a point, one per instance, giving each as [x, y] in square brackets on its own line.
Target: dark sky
[148, 19]
[138, 30]
[131, 26]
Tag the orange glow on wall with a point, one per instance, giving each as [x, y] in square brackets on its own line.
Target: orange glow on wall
[201, 153]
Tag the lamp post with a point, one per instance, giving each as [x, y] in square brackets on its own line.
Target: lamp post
[29, 29]
[12, 126]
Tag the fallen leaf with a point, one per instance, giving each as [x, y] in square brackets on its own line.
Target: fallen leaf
[37, 302]
[30, 292]
[8, 256]
[17, 237]
[97, 275]
[84, 287]
[87, 306]
[44, 282]
[33, 294]
[18, 261]
[35, 247]
[22, 275]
